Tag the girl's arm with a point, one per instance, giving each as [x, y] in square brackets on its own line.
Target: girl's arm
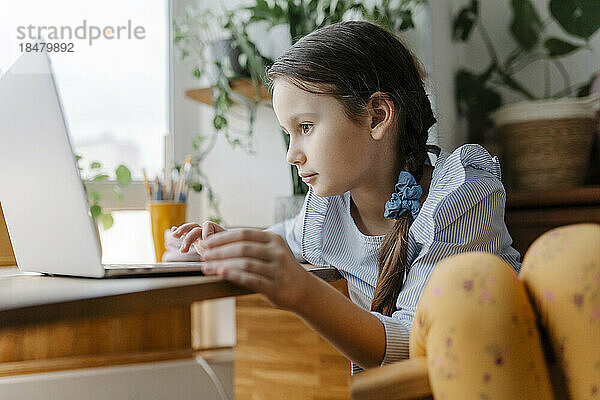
[356, 333]
[263, 262]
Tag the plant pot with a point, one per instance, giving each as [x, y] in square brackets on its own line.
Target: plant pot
[288, 207]
[221, 55]
[546, 144]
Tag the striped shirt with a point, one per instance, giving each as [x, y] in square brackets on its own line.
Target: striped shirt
[464, 211]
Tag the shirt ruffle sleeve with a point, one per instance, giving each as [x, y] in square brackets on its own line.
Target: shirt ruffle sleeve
[466, 214]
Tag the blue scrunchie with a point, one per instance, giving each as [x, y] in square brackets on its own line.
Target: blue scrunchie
[406, 197]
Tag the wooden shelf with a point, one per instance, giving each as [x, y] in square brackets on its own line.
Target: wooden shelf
[245, 87]
[581, 195]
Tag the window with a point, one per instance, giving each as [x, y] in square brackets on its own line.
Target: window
[114, 86]
[114, 91]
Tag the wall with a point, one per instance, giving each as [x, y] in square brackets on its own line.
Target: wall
[445, 57]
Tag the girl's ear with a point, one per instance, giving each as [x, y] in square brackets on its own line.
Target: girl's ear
[382, 114]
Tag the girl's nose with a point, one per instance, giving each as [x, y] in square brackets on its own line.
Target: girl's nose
[294, 155]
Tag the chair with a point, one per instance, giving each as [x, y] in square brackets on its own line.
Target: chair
[409, 380]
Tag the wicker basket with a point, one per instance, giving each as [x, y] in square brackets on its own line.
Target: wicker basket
[546, 144]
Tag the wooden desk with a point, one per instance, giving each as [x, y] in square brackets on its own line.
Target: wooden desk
[51, 323]
[57, 323]
[27, 298]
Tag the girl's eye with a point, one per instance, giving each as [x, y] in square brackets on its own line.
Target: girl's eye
[306, 127]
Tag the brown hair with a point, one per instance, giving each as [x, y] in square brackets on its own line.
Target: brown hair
[351, 61]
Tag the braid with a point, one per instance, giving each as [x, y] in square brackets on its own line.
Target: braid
[392, 257]
[393, 253]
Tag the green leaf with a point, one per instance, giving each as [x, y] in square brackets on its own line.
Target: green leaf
[78, 157]
[94, 196]
[219, 122]
[557, 47]
[215, 220]
[123, 175]
[100, 177]
[95, 165]
[526, 24]
[107, 221]
[197, 186]
[197, 73]
[118, 192]
[584, 89]
[96, 210]
[465, 21]
[407, 21]
[197, 141]
[577, 17]
[475, 99]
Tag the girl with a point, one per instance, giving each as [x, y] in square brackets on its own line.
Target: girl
[351, 97]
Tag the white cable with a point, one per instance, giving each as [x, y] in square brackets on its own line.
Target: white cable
[213, 377]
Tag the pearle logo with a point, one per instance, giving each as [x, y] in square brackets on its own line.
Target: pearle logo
[83, 32]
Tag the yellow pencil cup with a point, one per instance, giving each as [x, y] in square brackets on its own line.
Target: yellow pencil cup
[164, 214]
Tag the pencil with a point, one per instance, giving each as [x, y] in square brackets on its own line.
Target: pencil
[156, 183]
[147, 184]
[183, 177]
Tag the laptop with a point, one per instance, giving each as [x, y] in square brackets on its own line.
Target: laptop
[42, 195]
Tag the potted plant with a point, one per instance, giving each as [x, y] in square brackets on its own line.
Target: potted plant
[220, 52]
[479, 99]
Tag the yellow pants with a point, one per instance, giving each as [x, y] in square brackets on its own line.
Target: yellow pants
[489, 333]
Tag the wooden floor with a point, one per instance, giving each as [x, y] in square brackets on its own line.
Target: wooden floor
[278, 357]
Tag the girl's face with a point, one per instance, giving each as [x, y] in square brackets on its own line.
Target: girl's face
[323, 140]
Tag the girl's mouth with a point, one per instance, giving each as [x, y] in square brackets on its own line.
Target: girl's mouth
[309, 178]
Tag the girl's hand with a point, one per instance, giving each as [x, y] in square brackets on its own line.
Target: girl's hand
[260, 261]
[195, 235]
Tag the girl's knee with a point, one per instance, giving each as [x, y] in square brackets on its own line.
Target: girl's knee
[562, 251]
[464, 271]
[468, 284]
[471, 292]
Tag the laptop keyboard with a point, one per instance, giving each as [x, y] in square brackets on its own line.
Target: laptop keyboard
[149, 266]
